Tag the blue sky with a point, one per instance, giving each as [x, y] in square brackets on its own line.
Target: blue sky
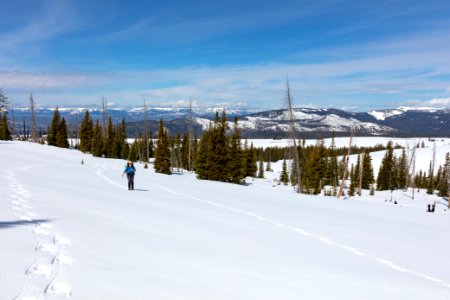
[356, 55]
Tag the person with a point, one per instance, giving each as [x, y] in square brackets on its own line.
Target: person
[130, 170]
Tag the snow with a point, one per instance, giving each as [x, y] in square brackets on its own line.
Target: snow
[384, 114]
[73, 230]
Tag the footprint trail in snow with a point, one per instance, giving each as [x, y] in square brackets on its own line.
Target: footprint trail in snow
[45, 276]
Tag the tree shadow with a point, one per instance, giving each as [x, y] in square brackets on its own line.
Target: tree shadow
[140, 190]
[10, 224]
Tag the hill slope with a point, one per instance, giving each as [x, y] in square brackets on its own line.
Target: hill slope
[72, 229]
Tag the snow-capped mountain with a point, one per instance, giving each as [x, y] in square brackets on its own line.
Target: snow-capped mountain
[310, 122]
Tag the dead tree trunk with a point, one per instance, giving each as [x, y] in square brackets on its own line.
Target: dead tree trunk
[361, 170]
[189, 158]
[293, 132]
[344, 176]
[33, 120]
[13, 129]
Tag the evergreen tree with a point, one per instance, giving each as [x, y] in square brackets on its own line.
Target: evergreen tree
[353, 181]
[333, 170]
[53, 129]
[235, 165]
[250, 161]
[132, 155]
[120, 147]
[367, 175]
[261, 169]
[61, 135]
[402, 172]
[86, 133]
[109, 140]
[385, 175]
[162, 151]
[284, 177]
[97, 140]
[5, 135]
[203, 164]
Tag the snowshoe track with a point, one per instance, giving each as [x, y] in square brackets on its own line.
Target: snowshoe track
[45, 276]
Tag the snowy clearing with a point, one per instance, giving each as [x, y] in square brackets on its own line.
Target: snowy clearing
[73, 230]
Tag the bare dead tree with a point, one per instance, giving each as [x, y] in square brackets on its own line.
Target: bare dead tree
[412, 166]
[447, 161]
[294, 135]
[33, 120]
[146, 133]
[346, 159]
[13, 124]
[76, 125]
[104, 114]
[190, 137]
[361, 170]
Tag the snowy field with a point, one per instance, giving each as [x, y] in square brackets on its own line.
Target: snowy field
[73, 230]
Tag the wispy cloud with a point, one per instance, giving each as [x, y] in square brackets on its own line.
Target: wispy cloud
[55, 18]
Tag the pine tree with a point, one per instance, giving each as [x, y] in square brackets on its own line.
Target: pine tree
[353, 181]
[162, 151]
[235, 165]
[202, 157]
[261, 169]
[86, 133]
[284, 177]
[333, 165]
[367, 175]
[97, 140]
[402, 172]
[385, 175]
[250, 161]
[109, 140]
[5, 135]
[61, 135]
[132, 155]
[54, 127]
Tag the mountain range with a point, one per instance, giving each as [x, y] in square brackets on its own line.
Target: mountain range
[309, 122]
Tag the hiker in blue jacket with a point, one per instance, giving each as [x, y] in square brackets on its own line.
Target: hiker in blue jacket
[130, 170]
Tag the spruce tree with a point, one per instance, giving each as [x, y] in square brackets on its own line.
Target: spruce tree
[109, 140]
[250, 161]
[353, 181]
[402, 172]
[261, 168]
[333, 169]
[367, 175]
[61, 135]
[132, 155]
[284, 177]
[97, 140]
[202, 157]
[235, 166]
[162, 151]
[86, 133]
[53, 129]
[385, 175]
[5, 134]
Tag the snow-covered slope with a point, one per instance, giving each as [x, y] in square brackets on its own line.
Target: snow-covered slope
[72, 229]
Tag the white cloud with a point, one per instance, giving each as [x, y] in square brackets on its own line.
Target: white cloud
[435, 102]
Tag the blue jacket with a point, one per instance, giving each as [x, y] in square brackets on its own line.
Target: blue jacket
[130, 169]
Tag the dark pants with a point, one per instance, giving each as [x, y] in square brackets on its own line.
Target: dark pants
[130, 178]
